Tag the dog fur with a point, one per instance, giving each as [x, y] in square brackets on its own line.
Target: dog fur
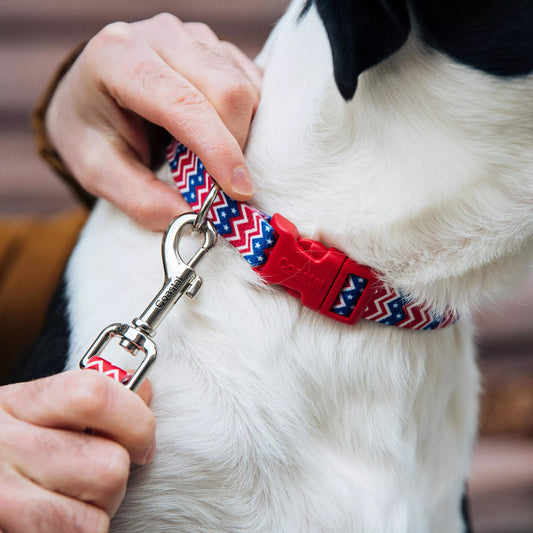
[273, 418]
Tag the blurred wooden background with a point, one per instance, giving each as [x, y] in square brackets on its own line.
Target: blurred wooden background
[35, 35]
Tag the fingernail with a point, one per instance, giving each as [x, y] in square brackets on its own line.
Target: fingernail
[241, 181]
[150, 454]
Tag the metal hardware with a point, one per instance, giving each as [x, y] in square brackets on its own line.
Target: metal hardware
[180, 278]
[201, 217]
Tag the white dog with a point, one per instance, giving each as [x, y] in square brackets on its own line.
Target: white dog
[412, 153]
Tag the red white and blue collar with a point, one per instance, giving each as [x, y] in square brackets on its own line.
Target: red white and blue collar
[324, 279]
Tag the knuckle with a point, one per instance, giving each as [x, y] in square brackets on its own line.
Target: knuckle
[215, 149]
[88, 393]
[113, 34]
[166, 18]
[40, 510]
[143, 69]
[199, 28]
[188, 105]
[191, 97]
[51, 515]
[60, 516]
[91, 520]
[117, 469]
[231, 51]
[237, 95]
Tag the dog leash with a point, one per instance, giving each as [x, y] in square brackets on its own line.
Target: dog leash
[325, 279]
[137, 337]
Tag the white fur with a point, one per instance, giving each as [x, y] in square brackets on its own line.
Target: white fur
[272, 418]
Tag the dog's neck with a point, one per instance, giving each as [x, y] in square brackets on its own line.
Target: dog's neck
[424, 175]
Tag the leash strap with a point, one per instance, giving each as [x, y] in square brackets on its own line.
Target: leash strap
[109, 369]
[325, 279]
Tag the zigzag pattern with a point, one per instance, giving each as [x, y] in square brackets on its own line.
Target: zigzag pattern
[392, 308]
[243, 226]
[349, 295]
[250, 232]
[108, 369]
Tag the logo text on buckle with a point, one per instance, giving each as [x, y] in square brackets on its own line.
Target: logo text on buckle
[314, 273]
[308, 278]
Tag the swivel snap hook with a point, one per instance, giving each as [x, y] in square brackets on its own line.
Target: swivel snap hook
[201, 217]
[180, 278]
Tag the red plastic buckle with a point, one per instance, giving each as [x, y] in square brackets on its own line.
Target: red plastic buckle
[316, 274]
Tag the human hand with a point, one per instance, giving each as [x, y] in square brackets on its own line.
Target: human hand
[180, 76]
[54, 476]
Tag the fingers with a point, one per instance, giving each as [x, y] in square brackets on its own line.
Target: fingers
[84, 467]
[55, 480]
[118, 176]
[209, 109]
[78, 400]
[186, 48]
[25, 507]
[178, 76]
[253, 71]
[112, 163]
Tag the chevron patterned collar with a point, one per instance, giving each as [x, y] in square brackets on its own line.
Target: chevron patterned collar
[324, 279]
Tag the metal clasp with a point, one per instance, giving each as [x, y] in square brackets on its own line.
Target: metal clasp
[201, 217]
[180, 278]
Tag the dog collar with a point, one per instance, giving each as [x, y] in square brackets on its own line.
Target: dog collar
[325, 279]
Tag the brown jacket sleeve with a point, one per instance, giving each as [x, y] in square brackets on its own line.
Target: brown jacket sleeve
[44, 146]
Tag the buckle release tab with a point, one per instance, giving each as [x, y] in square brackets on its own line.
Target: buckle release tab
[316, 274]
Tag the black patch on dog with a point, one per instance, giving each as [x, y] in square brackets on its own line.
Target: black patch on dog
[306, 8]
[49, 355]
[361, 33]
[465, 512]
[495, 36]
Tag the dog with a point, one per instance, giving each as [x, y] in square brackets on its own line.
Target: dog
[399, 132]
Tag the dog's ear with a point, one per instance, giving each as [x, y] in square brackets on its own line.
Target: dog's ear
[361, 34]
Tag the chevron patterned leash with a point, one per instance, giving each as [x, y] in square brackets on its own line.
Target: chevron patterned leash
[272, 246]
[109, 369]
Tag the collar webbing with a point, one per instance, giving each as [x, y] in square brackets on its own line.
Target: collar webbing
[326, 281]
